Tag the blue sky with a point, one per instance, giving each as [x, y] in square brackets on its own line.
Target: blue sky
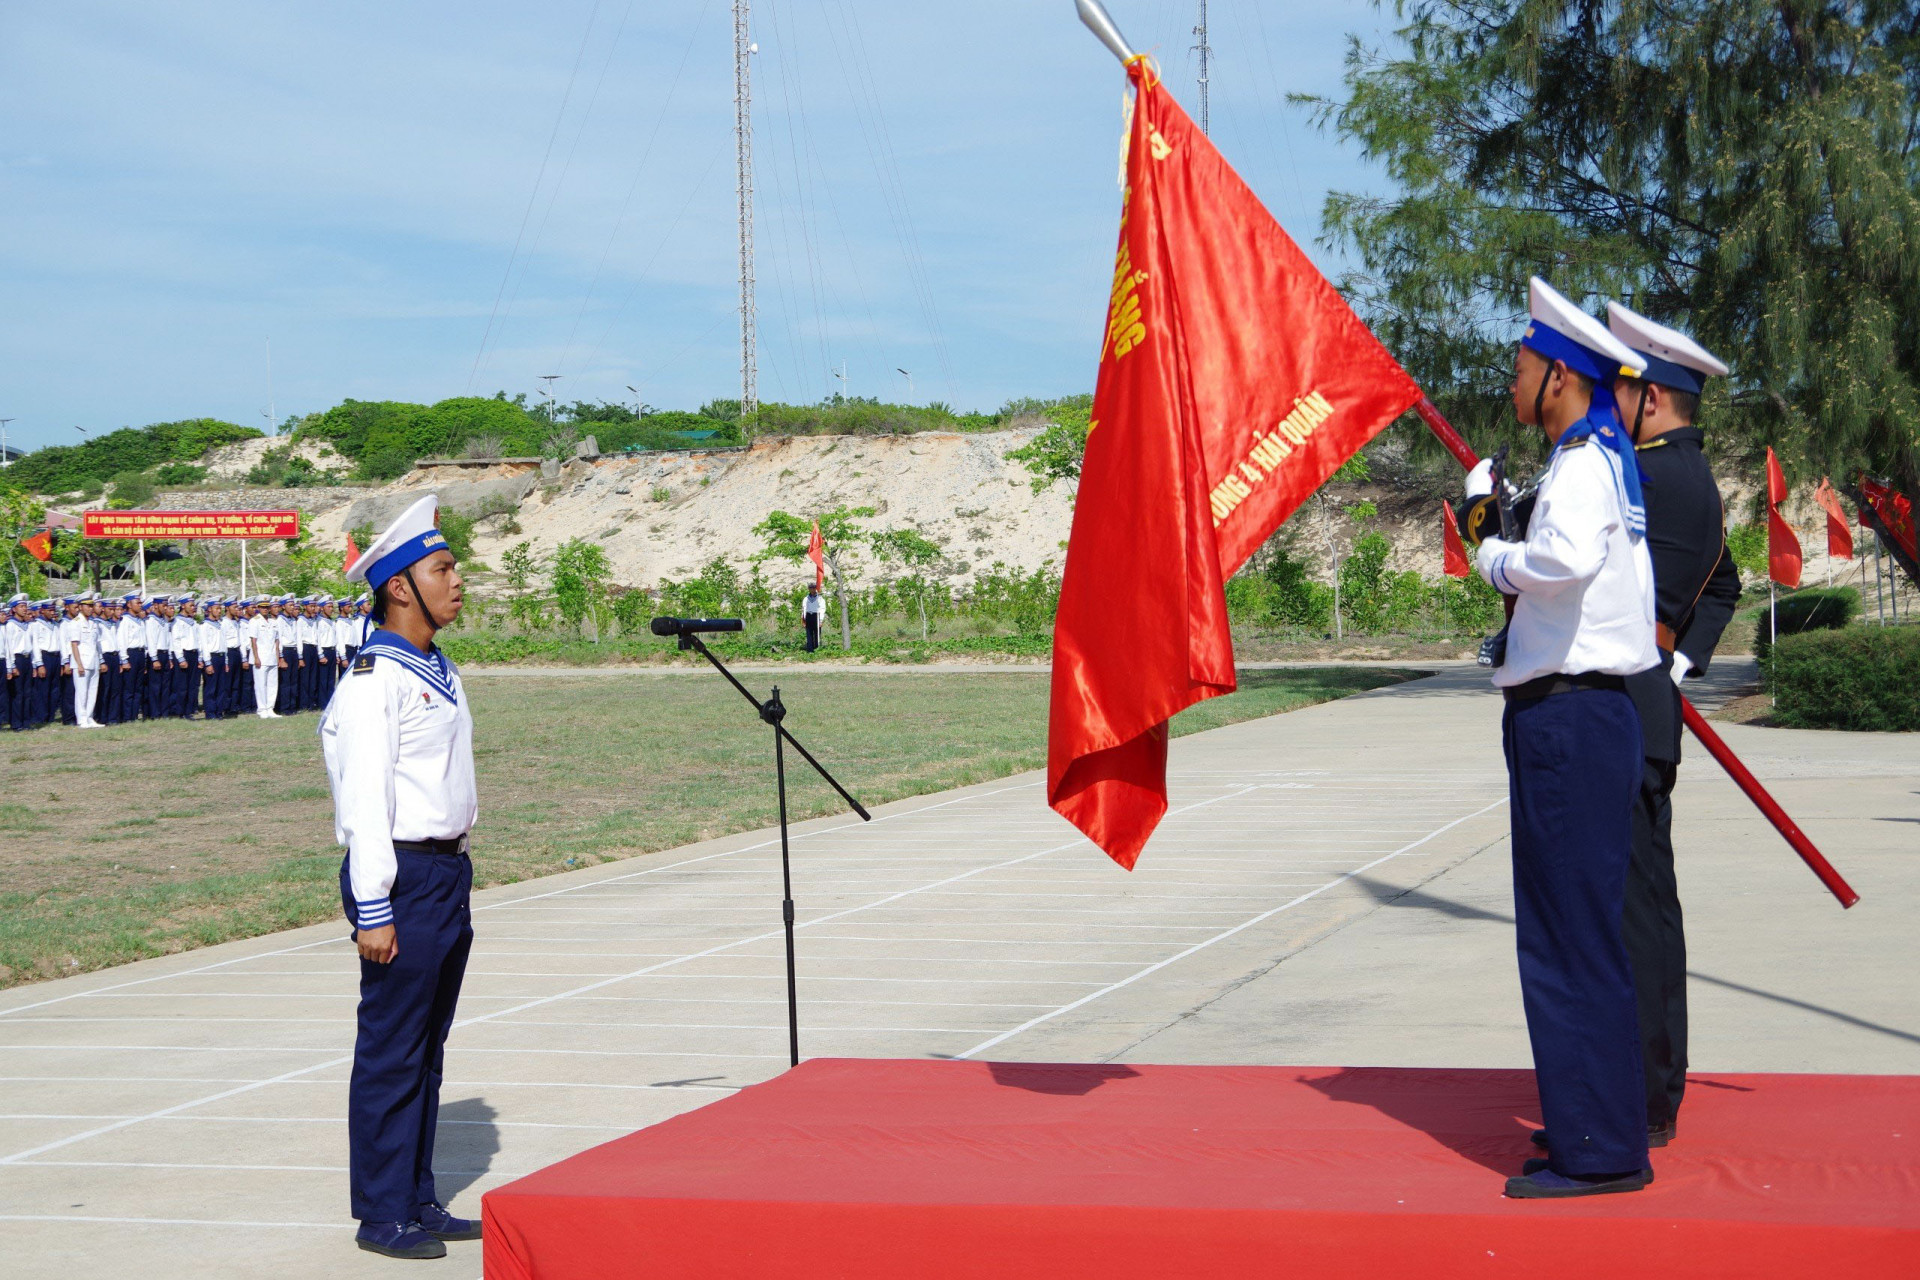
[181, 183]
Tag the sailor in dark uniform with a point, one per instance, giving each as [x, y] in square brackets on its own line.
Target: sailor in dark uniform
[1696, 589]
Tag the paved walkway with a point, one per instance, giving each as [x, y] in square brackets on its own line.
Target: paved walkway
[1329, 888]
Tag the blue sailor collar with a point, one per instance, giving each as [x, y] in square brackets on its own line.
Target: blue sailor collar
[431, 667]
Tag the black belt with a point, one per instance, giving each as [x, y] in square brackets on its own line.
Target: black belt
[1542, 686]
[444, 847]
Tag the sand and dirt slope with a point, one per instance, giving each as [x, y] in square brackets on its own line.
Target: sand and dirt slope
[664, 515]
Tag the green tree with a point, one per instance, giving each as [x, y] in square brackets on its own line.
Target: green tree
[517, 563]
[21, 514]
[785, 537]
[1746, 171]
[580, 573]
[1056, 453]
[917, 552]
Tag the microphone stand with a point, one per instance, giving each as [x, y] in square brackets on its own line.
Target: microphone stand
[774, 712]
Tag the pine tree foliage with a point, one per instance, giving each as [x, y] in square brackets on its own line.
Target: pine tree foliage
[1744, 170]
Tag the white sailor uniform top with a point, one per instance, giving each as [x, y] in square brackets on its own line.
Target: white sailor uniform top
[398, 741]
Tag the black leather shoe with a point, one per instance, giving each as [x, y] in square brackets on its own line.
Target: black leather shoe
[1537, 1163]
[399, 1240]
[1545, 1184]
[1657, 1136]
[441, 1225]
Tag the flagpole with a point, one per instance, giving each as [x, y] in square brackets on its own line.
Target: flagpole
[1100, 22]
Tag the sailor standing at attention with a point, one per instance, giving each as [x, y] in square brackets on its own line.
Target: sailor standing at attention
[16, 650]
[264, 650]
[398, 741]
[213, 660]
[306, 629]
[133, 648]
[286, 636]
[239, 664]
[327, 642]
[112, 662]
[47, 660]
[71, 624]
[83, 656]
[159, 694]
[1582, 623]
[186, 657]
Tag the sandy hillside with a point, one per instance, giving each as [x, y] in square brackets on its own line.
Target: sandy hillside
[665, 515]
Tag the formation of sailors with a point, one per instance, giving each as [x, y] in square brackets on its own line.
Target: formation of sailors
[90, 663]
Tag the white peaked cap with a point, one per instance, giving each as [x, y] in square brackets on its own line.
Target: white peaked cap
[407, 541]
[1611, 357]
[1696, 363]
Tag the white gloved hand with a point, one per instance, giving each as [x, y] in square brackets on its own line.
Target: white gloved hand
[1682, 664]
[1480, 479]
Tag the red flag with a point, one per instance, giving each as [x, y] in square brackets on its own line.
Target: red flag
[1457, 564]
[1839, 537]
[1233, 381]
[353, 553]
[1895, 513]
[39, 545]
[1783, 544]
[817, 552]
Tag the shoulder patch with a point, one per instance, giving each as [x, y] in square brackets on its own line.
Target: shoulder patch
[1575, 444]
[1651, 444]
[363, 662]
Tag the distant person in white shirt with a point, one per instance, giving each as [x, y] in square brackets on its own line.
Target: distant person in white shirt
[811, 612]
[80, 636]
[1582, 622]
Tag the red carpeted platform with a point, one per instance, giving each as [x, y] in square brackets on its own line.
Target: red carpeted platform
[876, 1168]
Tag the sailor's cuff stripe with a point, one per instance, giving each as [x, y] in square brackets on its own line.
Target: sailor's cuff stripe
[374, 913]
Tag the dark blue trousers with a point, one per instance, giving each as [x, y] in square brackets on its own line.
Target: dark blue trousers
[183, 699]
[63, 694]
[240, 702]
[219, 685]
[1573, 766]
[47, 688]
[328, 673]
[286, 698]
[159, 684]
[310, 678]
[20, 694]
[406, 1010]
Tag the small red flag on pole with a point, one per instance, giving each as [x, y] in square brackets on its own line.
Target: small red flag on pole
[39, 545]
[1839, 536]
[817, 552]
[353, 553]
[1783, 544]
[1233, 381]
[1457, 564]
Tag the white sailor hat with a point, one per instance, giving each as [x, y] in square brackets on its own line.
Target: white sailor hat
[130, 597]
[69, 599]
[406, 542]
[159, 600]
[1673, 359]
[88, 597]
[323, 598]
[18, 597]
[1559, 330]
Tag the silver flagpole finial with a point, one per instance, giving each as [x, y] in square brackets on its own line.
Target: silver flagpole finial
[1100, 22]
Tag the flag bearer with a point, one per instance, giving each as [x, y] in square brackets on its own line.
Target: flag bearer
[1582, 623]
[47, 660]
[233, 630]
[16, 650]
[286, 638]
[398, 741]
[133, 648]
[1696, 589]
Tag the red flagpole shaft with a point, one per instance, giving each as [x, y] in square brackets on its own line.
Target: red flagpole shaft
[1716, 747]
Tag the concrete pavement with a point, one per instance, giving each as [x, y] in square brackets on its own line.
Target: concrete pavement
[1330, 887]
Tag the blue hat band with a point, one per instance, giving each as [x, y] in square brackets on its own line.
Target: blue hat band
[408, 553]
[1555, 345]
[1669, 374]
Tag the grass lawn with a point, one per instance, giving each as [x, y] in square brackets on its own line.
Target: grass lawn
[145, 839]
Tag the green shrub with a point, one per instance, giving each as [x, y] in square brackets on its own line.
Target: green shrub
[64, 468]
[1296, 599]
[1861, 678]
[1809, 609]
[133, 489]
[179, 474]
[458, 531]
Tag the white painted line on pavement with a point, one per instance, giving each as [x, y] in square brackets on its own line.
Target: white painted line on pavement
[1090, 997]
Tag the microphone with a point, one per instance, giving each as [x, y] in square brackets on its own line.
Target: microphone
[688, 626]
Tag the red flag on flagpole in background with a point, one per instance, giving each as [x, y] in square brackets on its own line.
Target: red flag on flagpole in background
[1895, 513]
[1233, 381]
[353, 553]
[1783, 544]
[1457, 565]
[39, 545]
[817, 552]
[1839, 536]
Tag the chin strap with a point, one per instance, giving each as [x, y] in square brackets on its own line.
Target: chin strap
[1640, 413]
[1540, 397]
[420, 600]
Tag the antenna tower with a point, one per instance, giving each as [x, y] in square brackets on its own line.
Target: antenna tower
[1205, 51]
[743, 145]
